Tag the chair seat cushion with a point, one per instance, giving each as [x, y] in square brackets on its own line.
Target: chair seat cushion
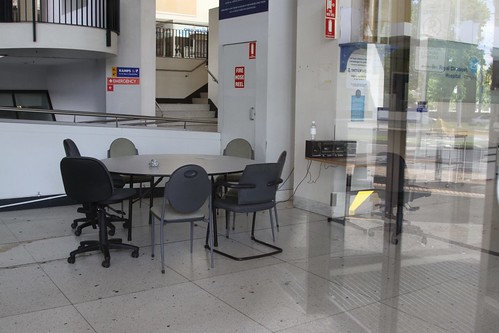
[231, 203]
[174, 216]
[119, 195]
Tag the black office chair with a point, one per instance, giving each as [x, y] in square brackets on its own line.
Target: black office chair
[90, 218]
[87, 180]
[397, 198]
[407, 191]
[184, 196]
[256, 191]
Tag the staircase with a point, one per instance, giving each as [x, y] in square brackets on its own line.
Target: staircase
[188, 115]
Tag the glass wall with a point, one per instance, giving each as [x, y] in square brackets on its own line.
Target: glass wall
[419, 83]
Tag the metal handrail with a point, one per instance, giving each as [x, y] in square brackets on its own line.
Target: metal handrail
[117, 118]
[211, 74]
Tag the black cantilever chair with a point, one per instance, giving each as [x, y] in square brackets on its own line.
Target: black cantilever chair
[186, 192]
[280, 163]
[90, 219]
[256, 191]
[87, 180]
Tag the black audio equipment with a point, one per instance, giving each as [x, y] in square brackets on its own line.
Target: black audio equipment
[330, 149]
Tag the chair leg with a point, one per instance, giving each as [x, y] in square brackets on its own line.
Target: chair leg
[227, 223]
[162, 245]
[153, 236]
[103, 244]
[211, 236]
[192, 234]
[272, 224]
[276, 218]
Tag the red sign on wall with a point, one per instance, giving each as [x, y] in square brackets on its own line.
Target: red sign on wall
[239, 77]
[122, 80]
[331, 8]
[330, 19]
[252, 50]
[330, 31]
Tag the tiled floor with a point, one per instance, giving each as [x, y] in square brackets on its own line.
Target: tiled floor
[329, 278]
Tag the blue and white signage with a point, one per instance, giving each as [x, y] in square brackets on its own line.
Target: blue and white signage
[126, 72]
[235, 8]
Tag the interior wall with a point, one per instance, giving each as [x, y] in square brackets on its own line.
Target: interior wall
[196, 15]
[178, 77]
[213, 65]
[281, 82]
[24, 77]
[72, 86]
[38, 150]
[317, 65]
[135, 49]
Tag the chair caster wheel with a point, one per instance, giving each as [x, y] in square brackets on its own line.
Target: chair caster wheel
[111, 232]
[106, 263]
[71, 260]
[78, 232]
[135, 253]
[163, 271]
[74, 225]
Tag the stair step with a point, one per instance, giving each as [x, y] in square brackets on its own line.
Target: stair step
[203, 95]
[200, 100]
[181, 107]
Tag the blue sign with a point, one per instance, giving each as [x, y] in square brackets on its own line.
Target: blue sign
[127, 72]
[358, 104]
[235, 8]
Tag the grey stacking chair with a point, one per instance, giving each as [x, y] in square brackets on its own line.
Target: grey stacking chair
[125, 147]
[185, 194]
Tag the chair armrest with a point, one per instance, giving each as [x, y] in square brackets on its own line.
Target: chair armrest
[223, 183]
[275, 182]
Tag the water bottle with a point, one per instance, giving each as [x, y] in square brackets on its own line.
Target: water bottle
[313, 130]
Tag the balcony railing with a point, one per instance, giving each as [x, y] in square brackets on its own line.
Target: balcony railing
[98, 118]
[187, 42]
[102, 14]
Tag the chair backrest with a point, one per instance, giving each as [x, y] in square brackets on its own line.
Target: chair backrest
[188, 188]
[86, 179]
[264, 177]
[239, 148]
[280, 161]
[70, 148]
[122, 147]
[394, 160]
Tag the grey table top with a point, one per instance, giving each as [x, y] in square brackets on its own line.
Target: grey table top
[167, 163]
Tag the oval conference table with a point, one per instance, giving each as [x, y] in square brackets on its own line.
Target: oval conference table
[140, 165]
